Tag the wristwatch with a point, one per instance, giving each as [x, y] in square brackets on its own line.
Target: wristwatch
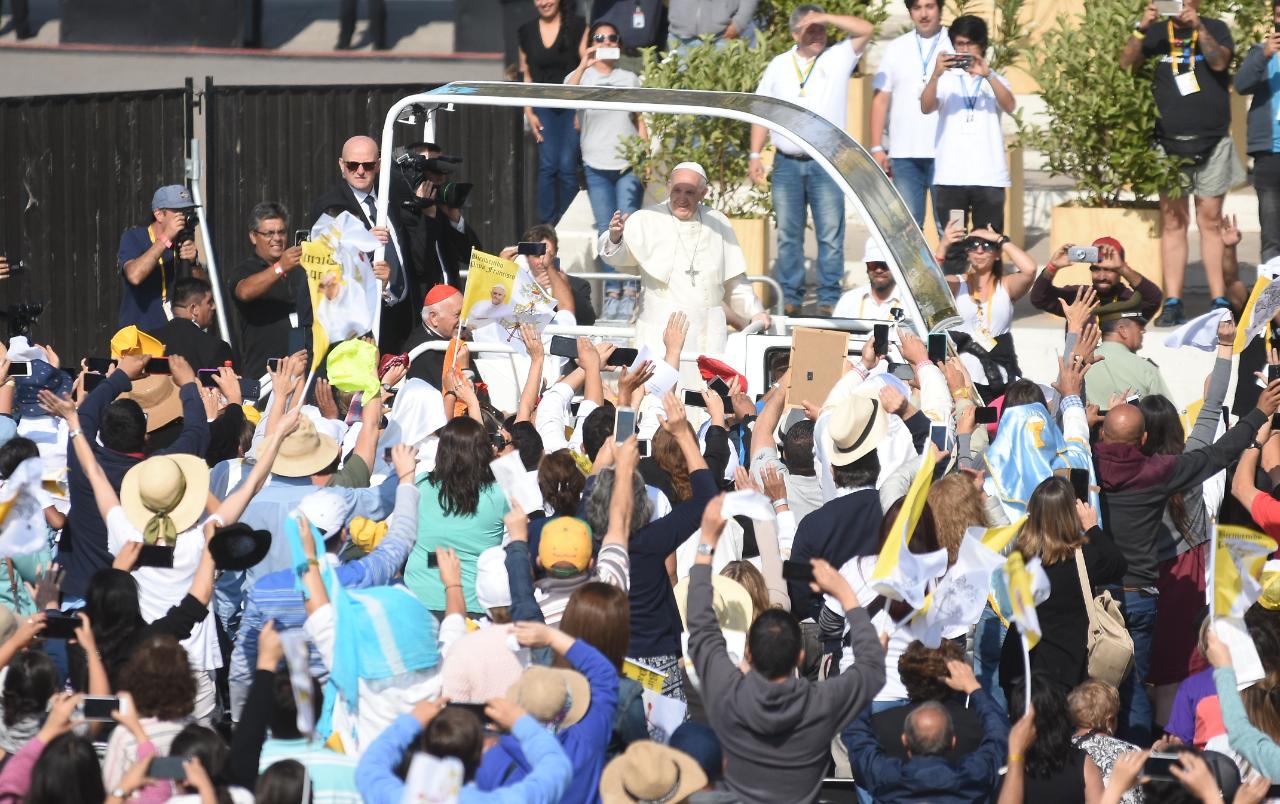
[706, 548]
[876, 149]
[1004, 238]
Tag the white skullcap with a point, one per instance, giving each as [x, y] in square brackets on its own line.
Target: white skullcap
[694, 166]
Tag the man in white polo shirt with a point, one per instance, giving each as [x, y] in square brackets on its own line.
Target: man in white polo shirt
[816, 77]
[879, 296]
[905, 68]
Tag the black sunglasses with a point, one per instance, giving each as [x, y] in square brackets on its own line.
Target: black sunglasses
[980, 245]
[369, 167]
[605, 38]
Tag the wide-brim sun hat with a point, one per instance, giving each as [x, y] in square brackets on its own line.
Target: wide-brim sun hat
[305, 451]
[649, 771]
[239, 546]
[729, 599]
[174, 486]
[555, 696]
[158, 397]
[854, 428]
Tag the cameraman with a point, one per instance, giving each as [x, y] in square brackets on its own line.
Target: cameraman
[162, 244]
[440, 239]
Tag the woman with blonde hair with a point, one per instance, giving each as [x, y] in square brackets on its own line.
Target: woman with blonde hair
[745, 573]
[957, 505]
[1094, 707]
[1058, 525]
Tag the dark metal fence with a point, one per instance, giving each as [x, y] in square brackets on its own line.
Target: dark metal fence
[75, 172]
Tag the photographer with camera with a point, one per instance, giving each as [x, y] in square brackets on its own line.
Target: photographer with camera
[439, 237]
[1190, 85]
[153, 257]
[1107, 266]
[971, 173]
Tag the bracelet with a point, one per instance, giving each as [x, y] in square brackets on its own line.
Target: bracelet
[279, 271]
[453, 586]
[1254, 445]
[781, 502]
[1015, 758]
[753, 155]
[1138, 34]
[924, 364]
[167, 242]
[877, 149]
[960, 393]
[74, 433]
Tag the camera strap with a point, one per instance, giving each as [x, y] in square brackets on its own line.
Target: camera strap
[164, 283]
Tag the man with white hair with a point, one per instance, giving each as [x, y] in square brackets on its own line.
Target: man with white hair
[815, 77]
[441, 311]
[688, 260]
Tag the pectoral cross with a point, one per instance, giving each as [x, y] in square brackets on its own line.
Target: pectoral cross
[692, 273]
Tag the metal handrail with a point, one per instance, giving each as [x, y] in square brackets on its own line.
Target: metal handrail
[779, 307]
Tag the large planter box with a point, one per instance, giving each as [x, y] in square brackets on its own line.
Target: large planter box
[858, 116]
[1137, 228]
[753, 237]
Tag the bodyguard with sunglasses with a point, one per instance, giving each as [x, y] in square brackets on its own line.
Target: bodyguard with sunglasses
[356, 193]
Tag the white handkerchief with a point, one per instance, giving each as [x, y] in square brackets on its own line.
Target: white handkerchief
[515, 482]
[1244, 655]
[748, 503]
[1200, 332]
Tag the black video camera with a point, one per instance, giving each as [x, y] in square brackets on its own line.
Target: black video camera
[454, 193]
[21, 316]
[189, 228]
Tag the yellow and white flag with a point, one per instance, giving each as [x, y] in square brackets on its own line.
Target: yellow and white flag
[961, 596]
[900, 574]
[22, 503]
[1022, 603]
[490, 290]
[1238, 561]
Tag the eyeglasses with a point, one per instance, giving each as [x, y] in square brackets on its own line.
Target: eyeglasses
[278, 234]
[605, 38]
[369, 167]
[980, 245]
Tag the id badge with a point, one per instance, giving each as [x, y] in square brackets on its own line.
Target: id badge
[637, 19]
[293, 320]
[1187, 83]
[168, 309]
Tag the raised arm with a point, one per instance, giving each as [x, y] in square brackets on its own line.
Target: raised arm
[767, 422]
[625, 457]
[533, 381]
[103, 493]
[1132, 55]
[592, 357]
[278, 429]
[1206, 424]
[366, 447]
[677, 424]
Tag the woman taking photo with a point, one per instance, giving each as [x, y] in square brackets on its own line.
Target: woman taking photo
[552, 47]
[1057, 526]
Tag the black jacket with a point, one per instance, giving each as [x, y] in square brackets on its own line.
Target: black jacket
[203, 350]
[845, 527]
[440, 252]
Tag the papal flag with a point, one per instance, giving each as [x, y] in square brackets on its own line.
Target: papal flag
[961, 596]
[1237, 569]
[1022, 602]
[900, 574]
[22, 504]
[490, 294]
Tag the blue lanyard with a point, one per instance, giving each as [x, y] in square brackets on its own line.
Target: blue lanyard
[971, 101]
[924, 60]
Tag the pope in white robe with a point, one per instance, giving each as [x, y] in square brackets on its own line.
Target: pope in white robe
[688, 260]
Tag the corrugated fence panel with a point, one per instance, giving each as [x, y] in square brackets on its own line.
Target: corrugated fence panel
[282, 144]
[75, 172]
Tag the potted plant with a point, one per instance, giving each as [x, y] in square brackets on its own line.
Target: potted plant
[1098, 131]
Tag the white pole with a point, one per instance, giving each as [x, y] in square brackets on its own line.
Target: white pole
[1026, 669]
[1213, 569]
[211, 262]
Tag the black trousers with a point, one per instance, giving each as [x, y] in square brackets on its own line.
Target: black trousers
[377, 22]
[21, 15]
[982, 206]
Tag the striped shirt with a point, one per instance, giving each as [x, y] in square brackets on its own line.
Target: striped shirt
[333, 775]
[613, 566]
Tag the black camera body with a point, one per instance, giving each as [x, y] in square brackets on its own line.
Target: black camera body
[415, 169]
[189, 228]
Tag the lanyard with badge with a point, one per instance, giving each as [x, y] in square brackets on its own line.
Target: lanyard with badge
[164, 285]
[1185, 82]
[970, 96]
[925, 61]
[803, 77]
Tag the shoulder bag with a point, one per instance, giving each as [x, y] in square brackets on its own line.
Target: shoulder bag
[1109, 644]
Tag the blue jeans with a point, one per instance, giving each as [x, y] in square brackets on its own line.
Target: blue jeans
[914, 177]
[1136, 714]
[988, 641]
[557, 163]
[612, 191]
[797, 184]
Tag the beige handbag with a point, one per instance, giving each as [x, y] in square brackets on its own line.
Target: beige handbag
[1109, 643]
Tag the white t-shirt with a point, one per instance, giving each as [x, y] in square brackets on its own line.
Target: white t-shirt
[826, 85]
[859, 303]
[162, 588]
[905, 68]
[603, 130]
[969, 149]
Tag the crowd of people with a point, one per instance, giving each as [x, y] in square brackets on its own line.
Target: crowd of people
[373, 577]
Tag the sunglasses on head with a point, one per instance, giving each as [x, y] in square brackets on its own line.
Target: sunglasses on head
[980, 245]
[605, 38]
[369, 167]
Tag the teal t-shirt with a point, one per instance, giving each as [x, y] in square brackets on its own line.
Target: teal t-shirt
[469, 536]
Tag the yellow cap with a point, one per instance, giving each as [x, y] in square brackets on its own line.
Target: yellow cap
[365, 533]
[133, 341]
[565, 549]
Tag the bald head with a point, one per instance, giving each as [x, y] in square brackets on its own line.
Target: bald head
[359, 163]
[928, 730]
[1123, 425]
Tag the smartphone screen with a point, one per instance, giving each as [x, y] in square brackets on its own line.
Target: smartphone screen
[643, 448]
[564, 347]
[101, 365]
[20, 368]
[693, 399]
[1273, 373]
[98, 708]
[1080, 484]
[273, 364]
[92, 381]
[1157, 766]
[881, 335]
[719, 386]
[531, 249]
[937, 348]
[624, 425]
[432, 561]
[986, 415]
[156, 555]
[60, 626]
[158, 365]
[797, 571]
[476, 709]
[206, 377]
[938, 435]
